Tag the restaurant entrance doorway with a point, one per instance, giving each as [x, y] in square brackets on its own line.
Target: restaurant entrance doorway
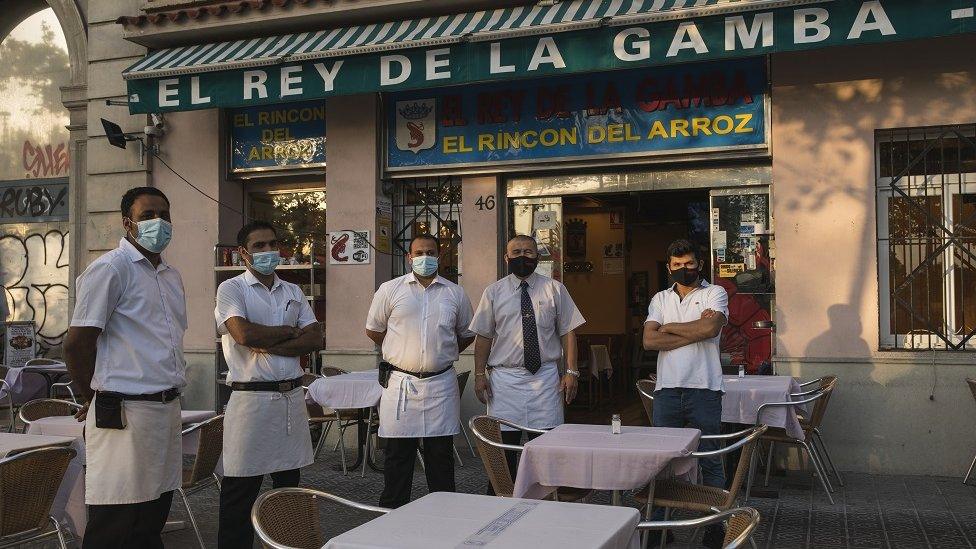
[609, 249]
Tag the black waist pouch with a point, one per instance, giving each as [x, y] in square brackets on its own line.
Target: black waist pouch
[108, 411]
[385, 370]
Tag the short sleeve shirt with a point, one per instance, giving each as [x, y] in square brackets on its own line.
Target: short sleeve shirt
[695, 366]
[499, 317]
[422, 325]
[141, 311]
[246, 297]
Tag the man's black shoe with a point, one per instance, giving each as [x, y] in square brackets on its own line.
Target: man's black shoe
[714, 536]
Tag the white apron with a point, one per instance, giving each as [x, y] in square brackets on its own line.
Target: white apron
[417, 408]
[528, 400]
[265, 432]
[138, 463]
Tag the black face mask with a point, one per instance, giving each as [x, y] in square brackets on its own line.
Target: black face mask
[685, 276]
[522, 266]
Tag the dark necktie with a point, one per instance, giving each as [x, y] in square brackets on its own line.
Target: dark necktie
[530, 336]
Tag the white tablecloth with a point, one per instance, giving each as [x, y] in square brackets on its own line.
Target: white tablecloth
[744, 395]
[347, 391]
[24, 386]
[69, 505]
[16, 442]
[589, 456]
[445, 520]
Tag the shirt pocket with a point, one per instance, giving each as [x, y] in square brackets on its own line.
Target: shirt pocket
[545, 315]
[447, 316]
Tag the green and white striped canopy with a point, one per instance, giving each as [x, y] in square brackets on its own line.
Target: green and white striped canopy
[560, 16]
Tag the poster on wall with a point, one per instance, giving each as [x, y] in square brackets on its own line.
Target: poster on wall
[619, 114]
[277, 137]
[19, 343]
[349, 248]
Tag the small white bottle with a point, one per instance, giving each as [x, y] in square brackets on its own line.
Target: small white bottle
[615, 424]
[742, 370]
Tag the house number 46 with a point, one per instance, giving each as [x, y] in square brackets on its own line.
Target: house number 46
[485, 202]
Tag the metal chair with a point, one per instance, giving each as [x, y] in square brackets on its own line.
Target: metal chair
[46, 407]
[645, 388]
[972, 387]
[816, 439]
[677, 494]
[288, 518]
[739, 525]
[343, 418]
[201, 475]
[5, 392]
[600, 363]
[462, 384]
[317, 416]
[29, 482]
[488, 434]
[775, 435]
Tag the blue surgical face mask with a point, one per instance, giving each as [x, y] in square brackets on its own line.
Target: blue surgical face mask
[265, 262]
[425, 265]
[154, 234]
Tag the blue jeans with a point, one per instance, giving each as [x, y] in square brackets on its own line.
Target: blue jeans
[698, 409]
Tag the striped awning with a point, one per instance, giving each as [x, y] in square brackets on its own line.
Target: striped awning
[547, 16]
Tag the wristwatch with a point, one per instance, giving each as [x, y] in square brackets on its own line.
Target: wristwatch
[574, 373]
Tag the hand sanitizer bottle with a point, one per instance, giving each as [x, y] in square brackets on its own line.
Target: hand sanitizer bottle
[615, 424]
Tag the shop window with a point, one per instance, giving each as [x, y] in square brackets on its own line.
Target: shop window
[428, 205]
[927, 237]
[298, 217]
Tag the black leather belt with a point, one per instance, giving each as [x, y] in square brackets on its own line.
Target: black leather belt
[168, 395]
[272, 386]
[422, 375]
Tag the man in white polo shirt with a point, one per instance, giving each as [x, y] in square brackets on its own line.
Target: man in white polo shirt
[266, 324]
[684, 323]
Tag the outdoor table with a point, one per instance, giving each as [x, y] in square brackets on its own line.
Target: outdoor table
[17, 442]
[744, 395]
[444, 520]
[352, 391]
[69, 504]
[591, 457]
[51, 372]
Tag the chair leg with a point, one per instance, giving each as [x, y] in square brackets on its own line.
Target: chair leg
[769, 464]
[749, 477]
[819, 471]
[830, 462]
[60, 531]
[664, 532]
[458, 456]
[217, 480]
[820, 462]
[193, 519]
[369, 424]
[965, 479]
[468, 440]
[321, 442]
[342, 449]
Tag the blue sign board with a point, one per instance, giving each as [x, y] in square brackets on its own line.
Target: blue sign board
[277, 137]
[627, 113]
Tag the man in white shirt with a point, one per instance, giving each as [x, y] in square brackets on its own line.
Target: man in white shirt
[421, 322]
[124, 351]
[684, 323]
[265, 324]
[526, 327]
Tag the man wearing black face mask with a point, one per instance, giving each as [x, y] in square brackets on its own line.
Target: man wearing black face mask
[525, 325]
[684, 323]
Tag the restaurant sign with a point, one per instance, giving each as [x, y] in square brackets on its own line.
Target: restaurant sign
[620, 43]
[639, 112]
[277, 137]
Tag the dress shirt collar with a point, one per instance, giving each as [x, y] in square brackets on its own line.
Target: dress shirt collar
[702, 283]
[412, 279]
[253, 280]
[136, 256]
[532, 280]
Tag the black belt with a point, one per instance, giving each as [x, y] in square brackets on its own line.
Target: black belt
[168, 395]
[273, 386]
[422, 375]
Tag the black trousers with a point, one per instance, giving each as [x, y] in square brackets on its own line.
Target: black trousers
[398, 467]
[128, 525]
[512, 457]
[237, 495]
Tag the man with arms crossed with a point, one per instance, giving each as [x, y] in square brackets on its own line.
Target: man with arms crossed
[124, 351]
[266, 324]
[684, 323]
[421, 322]
[525, 326]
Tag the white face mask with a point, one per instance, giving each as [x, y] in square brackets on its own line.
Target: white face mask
[424, 265]
[154, 234]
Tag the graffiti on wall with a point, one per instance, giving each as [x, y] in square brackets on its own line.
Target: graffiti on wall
[45, 160]
[34, 275]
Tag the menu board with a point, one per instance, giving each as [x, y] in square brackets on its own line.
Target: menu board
[19, 344]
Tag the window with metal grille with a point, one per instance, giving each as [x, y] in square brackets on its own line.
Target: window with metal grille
[428, 205]
[927, 237]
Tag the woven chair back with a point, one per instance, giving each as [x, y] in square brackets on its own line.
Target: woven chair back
[645, 389]
[29, 481]
[738, 524]
[493, 457]
[46, 407]
[827, 384]
[209, 447]
[292, 519]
